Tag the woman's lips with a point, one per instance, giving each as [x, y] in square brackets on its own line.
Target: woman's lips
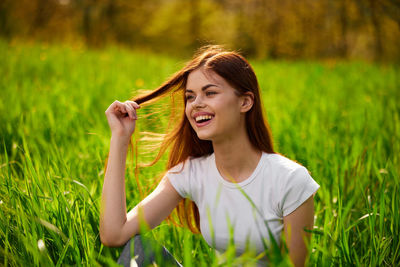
[202, 124]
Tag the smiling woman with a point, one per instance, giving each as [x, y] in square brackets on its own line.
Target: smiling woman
[222, 174]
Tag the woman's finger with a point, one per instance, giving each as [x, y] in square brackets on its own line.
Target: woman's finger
[121, 108]
[113, 107]
[134, 104]
[131, 111]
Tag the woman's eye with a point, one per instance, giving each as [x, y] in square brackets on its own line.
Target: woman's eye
[189, 97]
[211, 93]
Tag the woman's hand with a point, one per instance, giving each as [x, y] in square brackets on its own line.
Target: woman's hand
[122, 118]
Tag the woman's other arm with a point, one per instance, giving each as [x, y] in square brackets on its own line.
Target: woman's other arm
[296, 237]
[116, 226]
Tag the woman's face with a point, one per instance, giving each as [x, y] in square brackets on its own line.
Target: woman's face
[213, 107]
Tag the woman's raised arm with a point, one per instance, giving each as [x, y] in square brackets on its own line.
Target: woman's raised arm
[116, 226]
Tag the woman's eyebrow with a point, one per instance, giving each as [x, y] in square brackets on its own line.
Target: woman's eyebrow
[203, 88]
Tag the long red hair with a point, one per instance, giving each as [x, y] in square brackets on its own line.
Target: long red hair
[183, 141]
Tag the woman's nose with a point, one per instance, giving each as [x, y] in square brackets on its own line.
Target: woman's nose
[198, 102]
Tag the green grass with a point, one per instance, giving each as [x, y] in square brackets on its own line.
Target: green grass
[340, 120]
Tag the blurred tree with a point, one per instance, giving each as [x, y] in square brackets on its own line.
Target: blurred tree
[6, 28]
[44, 12]
[243, 38]
[87, 20]
[374, 8]
[195, 22]
[344, 23]
[392, 9]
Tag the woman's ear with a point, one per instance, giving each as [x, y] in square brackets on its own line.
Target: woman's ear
[247, 101]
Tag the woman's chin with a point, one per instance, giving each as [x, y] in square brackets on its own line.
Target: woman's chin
[204, 137]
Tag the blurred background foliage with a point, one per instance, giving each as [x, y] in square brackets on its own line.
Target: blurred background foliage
[275, 29]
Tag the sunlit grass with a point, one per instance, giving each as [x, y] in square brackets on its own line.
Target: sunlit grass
[340, 120]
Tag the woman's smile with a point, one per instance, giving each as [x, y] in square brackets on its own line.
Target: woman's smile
[203, 118]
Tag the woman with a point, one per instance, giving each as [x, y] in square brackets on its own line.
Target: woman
[221, 158]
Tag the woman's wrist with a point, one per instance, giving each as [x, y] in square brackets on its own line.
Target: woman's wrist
[120, 140]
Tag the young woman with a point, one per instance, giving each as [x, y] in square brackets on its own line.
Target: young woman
[221, 160]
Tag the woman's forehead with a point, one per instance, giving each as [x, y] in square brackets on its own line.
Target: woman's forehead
[203, 76]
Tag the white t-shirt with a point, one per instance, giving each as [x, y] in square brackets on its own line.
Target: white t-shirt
[276, 187]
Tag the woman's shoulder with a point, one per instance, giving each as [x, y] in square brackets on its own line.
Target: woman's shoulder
[192, 162]
[290, 175]
[281, 163]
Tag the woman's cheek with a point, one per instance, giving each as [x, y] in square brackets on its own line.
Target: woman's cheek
[187, 112]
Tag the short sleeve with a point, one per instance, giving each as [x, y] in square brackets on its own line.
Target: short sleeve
[297, 187]
[179, 177]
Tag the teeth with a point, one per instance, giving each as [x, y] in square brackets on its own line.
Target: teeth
[204, 117]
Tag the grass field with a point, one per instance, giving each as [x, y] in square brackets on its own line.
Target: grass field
[340, 120]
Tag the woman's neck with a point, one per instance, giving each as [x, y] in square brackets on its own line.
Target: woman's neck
[236, 158]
